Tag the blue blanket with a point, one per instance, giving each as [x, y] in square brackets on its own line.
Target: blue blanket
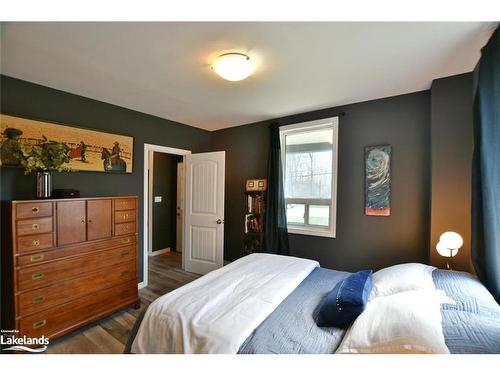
[291, 328]
[470, 326]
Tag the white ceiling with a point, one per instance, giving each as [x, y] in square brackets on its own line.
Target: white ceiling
[164, 68]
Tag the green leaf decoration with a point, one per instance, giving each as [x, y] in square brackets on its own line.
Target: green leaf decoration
[46, 156]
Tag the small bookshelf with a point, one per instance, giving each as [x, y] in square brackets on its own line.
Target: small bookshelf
[255, 204]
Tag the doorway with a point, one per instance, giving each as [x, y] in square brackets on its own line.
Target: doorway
[163, 206]
[165, 203]
[199, 213]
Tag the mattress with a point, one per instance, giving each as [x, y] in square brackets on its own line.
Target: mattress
[472, 325]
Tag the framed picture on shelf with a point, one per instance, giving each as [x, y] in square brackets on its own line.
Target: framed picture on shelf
[256, 185]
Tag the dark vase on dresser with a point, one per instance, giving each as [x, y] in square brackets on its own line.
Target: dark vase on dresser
[43, 184]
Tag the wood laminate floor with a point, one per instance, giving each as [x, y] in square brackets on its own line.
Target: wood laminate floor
[109, 335]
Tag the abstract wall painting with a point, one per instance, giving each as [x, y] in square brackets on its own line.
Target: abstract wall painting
[90, 150]
[378, 180]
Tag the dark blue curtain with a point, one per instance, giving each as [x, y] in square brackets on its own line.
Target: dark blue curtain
[276, 233]
[486, 169]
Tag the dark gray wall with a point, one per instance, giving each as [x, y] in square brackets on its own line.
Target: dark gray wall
[362, 241]
[22, 98]
[451, 164]
[402, 121]
[164, 212]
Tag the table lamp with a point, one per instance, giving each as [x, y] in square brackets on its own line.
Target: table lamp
[448, 246]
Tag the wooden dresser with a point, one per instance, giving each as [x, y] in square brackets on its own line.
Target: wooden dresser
[68, 262]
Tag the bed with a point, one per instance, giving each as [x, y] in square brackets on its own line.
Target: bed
[470, 323]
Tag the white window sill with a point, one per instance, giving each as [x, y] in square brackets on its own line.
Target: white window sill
[311, 232]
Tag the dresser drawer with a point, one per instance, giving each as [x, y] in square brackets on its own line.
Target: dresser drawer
[74, 250]
[65, 291]
[35, 242]
[35, 209]
[124, 228]
[125, 216]
[124, 204]
[59, 319]
[34, 226]
[50, 272]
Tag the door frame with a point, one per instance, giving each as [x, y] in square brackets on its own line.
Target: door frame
[145, 204]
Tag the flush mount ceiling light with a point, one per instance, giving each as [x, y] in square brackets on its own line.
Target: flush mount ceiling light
[233, 66]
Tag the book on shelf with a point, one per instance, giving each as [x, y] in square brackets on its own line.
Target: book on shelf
[252, 224]
[254, 204]
[252, 245]
[250, 203]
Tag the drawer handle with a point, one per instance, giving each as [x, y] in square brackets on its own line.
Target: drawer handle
[36, 242]
[125, 216]
[35, 210]
[36, 258]
[83, 221]
[37, 276]
[125, 253]
[126, 240]
[39, 324]
[89, 221]
[35, 226]
[124, 273]
[37, 300]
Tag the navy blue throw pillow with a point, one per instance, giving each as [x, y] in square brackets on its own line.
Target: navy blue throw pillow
[346, 301]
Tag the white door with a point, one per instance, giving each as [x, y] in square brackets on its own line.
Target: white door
[180, 206]
[204, 212]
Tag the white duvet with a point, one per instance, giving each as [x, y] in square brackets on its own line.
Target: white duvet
[217, 312]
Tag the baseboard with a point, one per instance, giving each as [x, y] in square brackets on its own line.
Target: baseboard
[159, 252]
[142, 285]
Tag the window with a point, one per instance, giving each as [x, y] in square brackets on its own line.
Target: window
[309, 157]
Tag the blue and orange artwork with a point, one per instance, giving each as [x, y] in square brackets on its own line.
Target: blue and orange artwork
[378, 180]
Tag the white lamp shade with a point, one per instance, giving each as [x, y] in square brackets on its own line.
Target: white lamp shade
[233, 66]
[445, 251]
[451, 240]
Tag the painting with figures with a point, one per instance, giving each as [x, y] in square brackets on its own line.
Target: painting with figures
[89, 150]
[378, 180]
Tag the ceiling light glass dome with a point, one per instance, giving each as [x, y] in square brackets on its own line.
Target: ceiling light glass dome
[233, 66]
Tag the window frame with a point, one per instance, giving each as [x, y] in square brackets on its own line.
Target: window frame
[310, 229]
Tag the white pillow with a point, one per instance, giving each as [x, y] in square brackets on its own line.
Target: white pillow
[401, 278]
[406, 322]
